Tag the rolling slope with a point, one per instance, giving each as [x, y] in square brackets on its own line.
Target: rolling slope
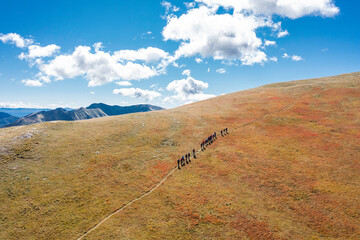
[289, 169]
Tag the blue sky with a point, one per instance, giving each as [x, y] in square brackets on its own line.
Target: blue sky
[167, 53]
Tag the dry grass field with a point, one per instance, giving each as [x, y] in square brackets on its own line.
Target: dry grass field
[289, 169]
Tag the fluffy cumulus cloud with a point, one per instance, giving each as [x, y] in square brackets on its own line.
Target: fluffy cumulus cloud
[137, 93]
[286, 8]
[36, 51]
[188, 90]
[231, 35]
[221, 36]
[98, 68]
[16, 39]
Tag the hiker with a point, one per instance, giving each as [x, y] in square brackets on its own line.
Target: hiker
[226, 131]
[182, 161]
[188, 155]
[194, 153]
[186, 159]
[222, 133]
[179, 164]
[214, 135]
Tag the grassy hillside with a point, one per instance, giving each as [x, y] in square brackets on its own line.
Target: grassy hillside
[289, 169]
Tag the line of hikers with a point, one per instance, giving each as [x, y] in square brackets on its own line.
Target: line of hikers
[212, 138]
[224, 132]
[181, 162]
[186, 158]
[208, 141]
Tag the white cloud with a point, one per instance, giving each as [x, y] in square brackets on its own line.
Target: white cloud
[286, 56]
[296, 58]
[286, 8]
[16, 39]
[137, 93]
[20, 104]
[221, 70]
[273, 59]
[98, 46]
[32, 83]
[198, 60]
[98, 68]
[324, 49]
[92, 93]
[148, 55]
[231, 35]
[190, 4]
[220, 36]
[269, 43]
[169, 7]
[186, 72]
[187, 90]
[282, 34]
[293, 57]
[124, 83]
[36, 51]
[208, 70]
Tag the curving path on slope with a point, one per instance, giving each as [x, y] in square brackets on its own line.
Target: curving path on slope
[163, 180]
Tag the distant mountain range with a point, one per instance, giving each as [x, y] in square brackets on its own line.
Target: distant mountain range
[6, 119]
[118, 110]
[95, 110]
[22, 112]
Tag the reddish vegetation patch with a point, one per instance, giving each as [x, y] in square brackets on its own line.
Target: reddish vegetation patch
[254, 228]
[189, 214]
[352, 92]
[274, 98]
[316, 218]
[163, 167]
[211, 219]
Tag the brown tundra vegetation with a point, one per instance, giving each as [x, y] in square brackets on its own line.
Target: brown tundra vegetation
[288, 169]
